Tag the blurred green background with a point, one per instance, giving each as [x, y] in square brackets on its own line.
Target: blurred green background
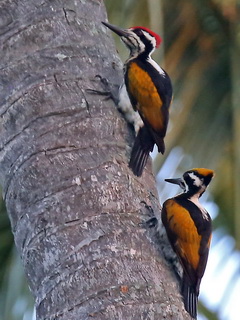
[201, 53]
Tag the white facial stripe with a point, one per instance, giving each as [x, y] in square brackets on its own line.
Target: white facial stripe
[196, 180]
[134, 41]
[135, 45]
[141, 45]
[150, 38]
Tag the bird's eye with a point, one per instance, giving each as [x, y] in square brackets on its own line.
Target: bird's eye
[139, 32]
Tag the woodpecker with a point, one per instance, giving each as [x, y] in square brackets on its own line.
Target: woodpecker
[189, 229]
[149, 89]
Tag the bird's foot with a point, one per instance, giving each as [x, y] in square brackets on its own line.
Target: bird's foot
[152, 222]
[110, 90]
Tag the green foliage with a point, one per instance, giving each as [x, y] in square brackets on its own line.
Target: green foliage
[6, 242]
[16, 301]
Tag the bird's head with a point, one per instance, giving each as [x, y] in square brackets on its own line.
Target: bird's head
[139, 40]
[194, 181]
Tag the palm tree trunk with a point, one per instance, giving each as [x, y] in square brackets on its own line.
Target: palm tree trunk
[76, 210]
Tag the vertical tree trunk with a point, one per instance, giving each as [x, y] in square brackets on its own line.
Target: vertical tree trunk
[75, 208]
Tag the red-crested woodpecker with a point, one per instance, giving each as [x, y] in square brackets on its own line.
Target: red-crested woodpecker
[149, 89]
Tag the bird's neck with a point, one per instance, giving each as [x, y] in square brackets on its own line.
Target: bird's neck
[192, 195]
[194, 198]
[144, 55]
[145, 60]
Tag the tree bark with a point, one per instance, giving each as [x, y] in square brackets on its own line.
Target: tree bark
[76, 210]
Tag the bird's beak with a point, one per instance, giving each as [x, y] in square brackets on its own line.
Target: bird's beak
[178, 181]
[117, 30]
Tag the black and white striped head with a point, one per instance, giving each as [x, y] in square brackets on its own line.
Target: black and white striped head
[195, 181]
[139, 40]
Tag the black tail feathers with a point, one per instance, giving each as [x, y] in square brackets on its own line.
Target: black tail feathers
[143, 145]
[159, 142]
[190, 298]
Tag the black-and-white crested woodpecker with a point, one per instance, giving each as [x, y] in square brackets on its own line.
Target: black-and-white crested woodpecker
[149, 89]
[189, 230]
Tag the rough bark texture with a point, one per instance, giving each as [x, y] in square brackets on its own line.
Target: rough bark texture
[76, 209]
